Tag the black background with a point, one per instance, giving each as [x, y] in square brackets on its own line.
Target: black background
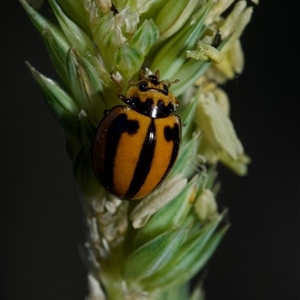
[41, 217]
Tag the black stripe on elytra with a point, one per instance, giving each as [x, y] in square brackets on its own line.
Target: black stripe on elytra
[144, 163]
[172, 134]
[118, 126]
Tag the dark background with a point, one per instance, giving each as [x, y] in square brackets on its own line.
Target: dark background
[41, 217]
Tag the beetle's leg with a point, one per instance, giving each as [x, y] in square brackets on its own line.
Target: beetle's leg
[122, 97]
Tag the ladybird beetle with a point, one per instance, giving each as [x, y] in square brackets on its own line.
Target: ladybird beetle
[135, 146]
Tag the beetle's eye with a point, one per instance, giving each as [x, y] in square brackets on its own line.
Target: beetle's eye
[143, 86]
[166, 89]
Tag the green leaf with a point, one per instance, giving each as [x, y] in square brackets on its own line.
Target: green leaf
[85, 85]
[199, 262]
[192, 256]
[187, 161]
[76, 11]
[77, 37]
[176, 293]
[60, 104]
[42, 23]
[55, 40]
[108, 37]
[189, 72]
[170, 58]
[173, 15]
[58, 53]
[154, 255]
[145, 37]
[187, 120]
[128, 60]
[78, 147]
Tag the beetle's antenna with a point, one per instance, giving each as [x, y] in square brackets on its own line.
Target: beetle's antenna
[143, 77]
[142, 74]
[134, 82]
[175, 81]
[168, 83]
[157, 74]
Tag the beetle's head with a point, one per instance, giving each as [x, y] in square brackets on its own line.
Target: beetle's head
[153, 82]
[151, 96]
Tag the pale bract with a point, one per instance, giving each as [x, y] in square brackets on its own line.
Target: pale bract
[206, 207]
[221, 142]
[151, 204]
[206, 52]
